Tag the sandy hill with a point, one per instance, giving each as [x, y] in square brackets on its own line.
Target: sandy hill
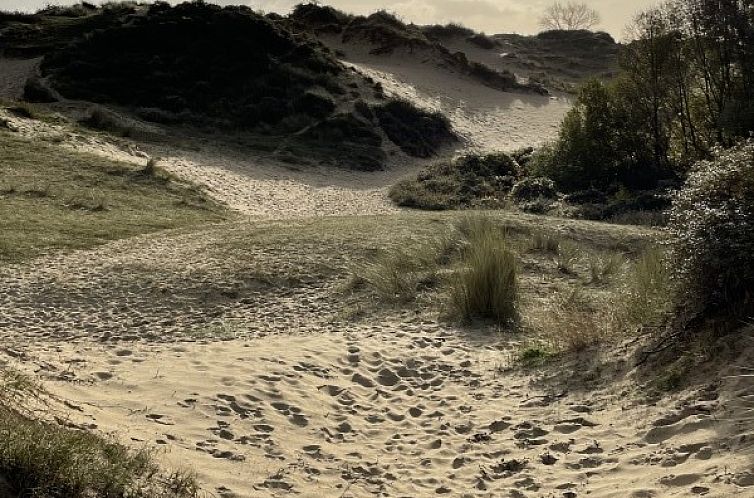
[227, 69]
[383, 34]
[557, 59]
[278, 330]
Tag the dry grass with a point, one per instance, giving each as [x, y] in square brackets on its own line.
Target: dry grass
[42, 459]
[53, 199]
[399, 274]
[602, 268]
[569, 322]
[486, 286]
[648, 292]
[546, 243]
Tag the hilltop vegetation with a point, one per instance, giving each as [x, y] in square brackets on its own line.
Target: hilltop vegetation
[386, 35]
[218, 67]
[556, 59]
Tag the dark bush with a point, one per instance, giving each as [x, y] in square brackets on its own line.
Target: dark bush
[320, 17]
[35, 90]
[589, 196]
[488, 165]
[531, 189]
[471, 180]
[417, 132]
[441, 32]
[712, 227]
[314, 104]
[363, 109]
[482, 41]
[386, 32]
[344, 128]
[523, 155]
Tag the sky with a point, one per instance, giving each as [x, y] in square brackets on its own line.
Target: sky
[490, 16]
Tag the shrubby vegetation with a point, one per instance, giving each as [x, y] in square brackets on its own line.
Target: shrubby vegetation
[468, 181]
[221, 67]
[677, 97]
[712, 227]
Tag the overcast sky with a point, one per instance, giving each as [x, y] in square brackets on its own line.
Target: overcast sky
[491, 16]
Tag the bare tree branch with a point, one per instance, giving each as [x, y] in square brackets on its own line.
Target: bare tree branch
[569, 16]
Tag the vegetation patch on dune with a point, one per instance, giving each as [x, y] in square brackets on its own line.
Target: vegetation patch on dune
[42, 459]
[502, 180]
[386, 34]
[212, 67]
[52, 198]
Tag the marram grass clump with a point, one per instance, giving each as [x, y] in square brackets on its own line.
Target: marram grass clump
[486, 286]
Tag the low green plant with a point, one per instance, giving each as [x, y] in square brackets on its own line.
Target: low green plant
[534, 354]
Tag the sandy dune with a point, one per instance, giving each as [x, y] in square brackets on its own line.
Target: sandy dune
[232, 357]
[488, 119]
[187, 343]
[403, 409]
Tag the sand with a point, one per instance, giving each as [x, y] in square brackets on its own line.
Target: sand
[179, 341]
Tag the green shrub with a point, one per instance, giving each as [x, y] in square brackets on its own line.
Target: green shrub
[497, 164]
[486, 287]
[468, 181]
[600, 144]
[532, 189]
[712, 227]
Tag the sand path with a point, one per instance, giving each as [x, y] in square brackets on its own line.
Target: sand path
[226, 348]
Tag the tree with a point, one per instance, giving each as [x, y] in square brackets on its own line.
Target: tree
[569, 16]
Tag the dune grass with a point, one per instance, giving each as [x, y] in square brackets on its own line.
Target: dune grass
[40, 459]
[486, 286]
[55, 199]
[570, 286]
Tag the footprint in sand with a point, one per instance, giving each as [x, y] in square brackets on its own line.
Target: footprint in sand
[572, 425]
[158, 419]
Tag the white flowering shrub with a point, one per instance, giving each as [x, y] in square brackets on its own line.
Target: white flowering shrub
[712, 226]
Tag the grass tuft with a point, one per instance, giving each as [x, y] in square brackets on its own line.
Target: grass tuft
[545, 243]
[486, 286]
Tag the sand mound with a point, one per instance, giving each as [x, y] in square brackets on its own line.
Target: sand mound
[489, 120]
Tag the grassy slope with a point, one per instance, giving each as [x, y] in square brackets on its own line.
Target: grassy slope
[44, 460]
[53, 199]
